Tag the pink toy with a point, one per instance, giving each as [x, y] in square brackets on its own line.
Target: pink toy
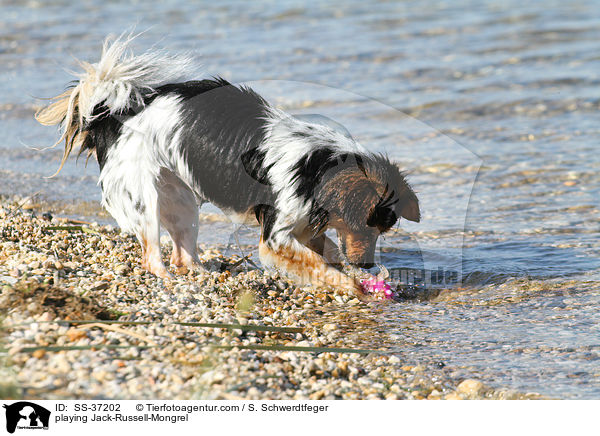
[374, 286]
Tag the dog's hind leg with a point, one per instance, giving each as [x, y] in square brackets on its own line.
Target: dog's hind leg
[179, 215]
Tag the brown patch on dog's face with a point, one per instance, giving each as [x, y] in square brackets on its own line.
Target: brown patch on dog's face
[358, 246]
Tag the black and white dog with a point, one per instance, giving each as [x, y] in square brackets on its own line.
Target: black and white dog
[166, 145]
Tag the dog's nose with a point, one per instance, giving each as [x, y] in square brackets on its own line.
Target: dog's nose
[366, 265]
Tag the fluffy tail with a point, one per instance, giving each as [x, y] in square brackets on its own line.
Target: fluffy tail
[117, 83]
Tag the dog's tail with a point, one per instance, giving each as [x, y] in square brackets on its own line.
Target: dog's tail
[113, 86]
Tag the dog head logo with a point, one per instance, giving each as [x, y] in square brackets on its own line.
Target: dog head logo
[26, 415]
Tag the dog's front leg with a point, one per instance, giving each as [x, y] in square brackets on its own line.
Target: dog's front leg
[305, 265]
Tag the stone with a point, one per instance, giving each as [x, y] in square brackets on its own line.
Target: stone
[38, 354]
[327, 328]
[75, 334]
[470, 388]
[121, 269]
[394, 360]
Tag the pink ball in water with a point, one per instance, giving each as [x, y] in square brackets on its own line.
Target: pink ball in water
[375, 286]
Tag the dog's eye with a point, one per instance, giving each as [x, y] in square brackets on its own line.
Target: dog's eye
[382, 217]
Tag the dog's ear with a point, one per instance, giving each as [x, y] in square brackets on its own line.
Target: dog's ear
[409, 206]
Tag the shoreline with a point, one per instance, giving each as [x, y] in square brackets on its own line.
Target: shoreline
[232, 333]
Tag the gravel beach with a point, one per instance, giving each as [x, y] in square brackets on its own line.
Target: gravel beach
[81, 319]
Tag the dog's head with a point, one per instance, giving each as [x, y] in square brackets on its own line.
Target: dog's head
[365, 200]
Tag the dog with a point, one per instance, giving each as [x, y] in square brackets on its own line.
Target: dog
[166, 144]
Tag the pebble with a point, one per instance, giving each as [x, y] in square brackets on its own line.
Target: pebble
[121, 269]
[327, 328]
[74, 334]
[470, 388]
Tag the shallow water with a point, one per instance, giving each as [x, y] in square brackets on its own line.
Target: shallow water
[492, 108]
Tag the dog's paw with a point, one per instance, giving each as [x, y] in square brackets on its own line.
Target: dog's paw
[163, 274]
